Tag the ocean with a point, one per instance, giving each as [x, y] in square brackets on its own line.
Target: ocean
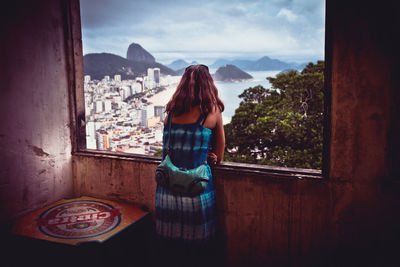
[229, 91]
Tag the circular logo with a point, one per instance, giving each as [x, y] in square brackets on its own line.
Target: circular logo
[79, 219]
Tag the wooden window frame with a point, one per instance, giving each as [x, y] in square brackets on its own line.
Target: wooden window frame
[74, 55]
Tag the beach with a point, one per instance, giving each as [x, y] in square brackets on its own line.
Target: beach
[162, 98]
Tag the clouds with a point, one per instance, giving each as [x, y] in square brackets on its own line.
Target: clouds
[286, 13]
[205, 30]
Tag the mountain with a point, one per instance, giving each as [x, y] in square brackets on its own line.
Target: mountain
[267, 63]
[230, 73]
[219, 63]
[180, 65]
[137, 53]
[98, 65]
[264, 63]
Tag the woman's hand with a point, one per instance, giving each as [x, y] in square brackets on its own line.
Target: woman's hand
[212, 158]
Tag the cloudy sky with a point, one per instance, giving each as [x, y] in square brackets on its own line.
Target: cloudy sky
[204, 30]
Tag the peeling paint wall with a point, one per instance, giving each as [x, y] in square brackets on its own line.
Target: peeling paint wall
[117, 179]
[35, 139]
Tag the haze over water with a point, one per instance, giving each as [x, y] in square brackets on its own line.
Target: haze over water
[229, 91]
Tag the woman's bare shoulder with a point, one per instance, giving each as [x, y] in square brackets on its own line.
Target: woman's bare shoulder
[212, 118]
[215, 111]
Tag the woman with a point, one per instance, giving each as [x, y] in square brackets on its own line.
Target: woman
[197, 133]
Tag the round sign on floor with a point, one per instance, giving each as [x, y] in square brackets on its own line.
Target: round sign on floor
[79, 219]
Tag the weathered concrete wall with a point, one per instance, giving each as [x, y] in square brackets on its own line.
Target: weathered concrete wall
[35, 139]
[365, 57]
[115, 178]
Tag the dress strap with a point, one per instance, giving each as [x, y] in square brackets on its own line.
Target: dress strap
[199, 119]
[205, 118]
[202, 119]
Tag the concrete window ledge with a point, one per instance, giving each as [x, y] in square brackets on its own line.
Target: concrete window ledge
[223, 167]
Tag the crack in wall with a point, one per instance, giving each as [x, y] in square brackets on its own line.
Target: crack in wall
[38, 151]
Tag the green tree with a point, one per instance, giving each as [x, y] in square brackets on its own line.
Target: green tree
[281, 126]
[158, 153]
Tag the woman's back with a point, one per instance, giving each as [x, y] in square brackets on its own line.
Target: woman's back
[188, 141]
[192, 130]
[180, 217]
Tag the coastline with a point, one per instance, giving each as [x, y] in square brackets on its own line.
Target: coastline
[162, 98]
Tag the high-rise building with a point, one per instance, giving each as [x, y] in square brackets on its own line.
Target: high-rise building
[140, 81]
[136, 87]
[156, 73]
[102, 140]
[107, 105]
[153, 77]
[99, 106]
[144, 118]
[148, 82]
[90, 135]
[159, 112]
[150, 74]
[87, 78]
[127, 91]
[117, 77]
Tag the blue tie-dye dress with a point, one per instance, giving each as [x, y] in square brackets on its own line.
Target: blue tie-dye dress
[180, 217]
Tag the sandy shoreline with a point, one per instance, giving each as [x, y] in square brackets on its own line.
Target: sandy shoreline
[162, 98]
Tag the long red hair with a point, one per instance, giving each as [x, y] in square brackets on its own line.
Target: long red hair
[195, 88]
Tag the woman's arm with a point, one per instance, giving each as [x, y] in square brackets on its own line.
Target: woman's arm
[219, 138]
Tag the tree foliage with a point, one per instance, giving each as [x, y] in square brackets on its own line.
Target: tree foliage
[281, 126]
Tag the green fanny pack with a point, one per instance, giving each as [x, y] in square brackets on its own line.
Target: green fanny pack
[190, 182]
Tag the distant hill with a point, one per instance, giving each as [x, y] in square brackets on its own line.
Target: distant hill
[230, 73]
[98, 65]
[180, 65]
[219, 63]
[267, 63]
[262, 64]
[138, 54]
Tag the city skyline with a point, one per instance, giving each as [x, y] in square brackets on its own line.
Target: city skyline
[292, 31]
[119, 115]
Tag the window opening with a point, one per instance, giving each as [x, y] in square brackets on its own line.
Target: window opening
[266, 58]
